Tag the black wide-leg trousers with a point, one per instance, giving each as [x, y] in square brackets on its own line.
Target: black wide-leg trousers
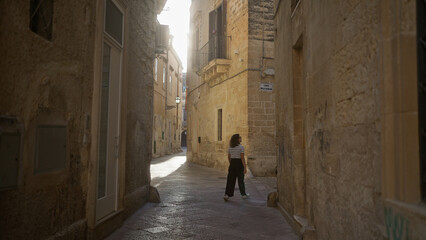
[235, 170]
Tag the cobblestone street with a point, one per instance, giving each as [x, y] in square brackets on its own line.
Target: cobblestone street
[192, 207]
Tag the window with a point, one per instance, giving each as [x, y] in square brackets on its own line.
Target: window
[219, 124]
[41, 17]
[196, 46]
[154, 124]
[421, 85]
[217, 37]
[216, 26]
[114, 21]
[164, 77]
[170, 84]
[156, 69]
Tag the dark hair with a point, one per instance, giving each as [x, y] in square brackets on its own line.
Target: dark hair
[235, 140]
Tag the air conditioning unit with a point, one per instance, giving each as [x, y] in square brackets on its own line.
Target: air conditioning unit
[162, 37]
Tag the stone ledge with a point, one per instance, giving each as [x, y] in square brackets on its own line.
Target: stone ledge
[216, 71]
[299, 225]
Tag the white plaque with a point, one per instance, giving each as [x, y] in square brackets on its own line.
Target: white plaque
[266, 87]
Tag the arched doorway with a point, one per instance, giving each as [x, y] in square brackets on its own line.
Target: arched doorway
[183, 139]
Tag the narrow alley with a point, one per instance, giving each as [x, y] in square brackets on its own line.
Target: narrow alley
[192, 207]
[321, 103]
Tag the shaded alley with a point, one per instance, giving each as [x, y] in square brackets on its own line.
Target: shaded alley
[192, 207]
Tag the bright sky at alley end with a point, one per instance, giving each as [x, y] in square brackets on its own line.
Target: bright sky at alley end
[176, 15]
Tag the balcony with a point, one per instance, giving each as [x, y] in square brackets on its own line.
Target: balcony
[212, 60]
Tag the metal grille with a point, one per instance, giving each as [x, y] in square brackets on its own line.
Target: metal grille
[421, 60]
[216, 48]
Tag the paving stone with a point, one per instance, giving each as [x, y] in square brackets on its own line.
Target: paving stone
[192, 207]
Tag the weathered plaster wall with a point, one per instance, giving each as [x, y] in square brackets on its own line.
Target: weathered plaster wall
[283, 109]
[332, 65]
[47, 82]
[54, 83]
[139, 103]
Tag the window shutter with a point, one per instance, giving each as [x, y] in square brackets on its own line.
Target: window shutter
[219, 20]
[212, 21]
[161, 38]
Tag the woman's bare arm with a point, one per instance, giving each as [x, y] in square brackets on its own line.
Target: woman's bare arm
[243, 160]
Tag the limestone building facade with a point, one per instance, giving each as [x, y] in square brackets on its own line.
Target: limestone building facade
[350, 106]
[167, 104]
[184, 113]
[230, 82]
[75, 115]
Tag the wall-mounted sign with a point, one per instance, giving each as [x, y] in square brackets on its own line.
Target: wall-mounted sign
[266, 87]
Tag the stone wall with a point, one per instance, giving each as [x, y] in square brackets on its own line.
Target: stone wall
[139, 103]
[55, 83]
[330, 122]
[233, 90]
[47, 83]
[261, 103]
[261, 20]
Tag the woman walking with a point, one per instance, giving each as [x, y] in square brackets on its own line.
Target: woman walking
[237, 168]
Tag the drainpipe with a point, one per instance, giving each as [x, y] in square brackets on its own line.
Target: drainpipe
[165, 107]
[263, 41]
[165, 80]
[177, 95]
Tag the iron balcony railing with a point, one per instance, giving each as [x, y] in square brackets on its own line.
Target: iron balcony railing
[215, 48]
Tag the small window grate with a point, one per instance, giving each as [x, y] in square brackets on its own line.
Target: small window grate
[41, 17]
[421, 63]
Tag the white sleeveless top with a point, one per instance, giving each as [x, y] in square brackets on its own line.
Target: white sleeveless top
[236, 151]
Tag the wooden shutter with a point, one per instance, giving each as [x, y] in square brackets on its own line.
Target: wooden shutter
[212, 23]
